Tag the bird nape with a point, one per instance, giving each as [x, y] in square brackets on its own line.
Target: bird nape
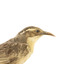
[18, 49]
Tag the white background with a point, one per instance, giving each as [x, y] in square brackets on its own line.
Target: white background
[46, 14]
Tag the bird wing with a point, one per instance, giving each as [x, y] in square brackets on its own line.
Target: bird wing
[9, 51]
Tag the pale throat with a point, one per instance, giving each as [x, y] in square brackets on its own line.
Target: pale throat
[31, 41]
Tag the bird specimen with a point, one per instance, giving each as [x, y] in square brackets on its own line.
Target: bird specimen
[18, 49]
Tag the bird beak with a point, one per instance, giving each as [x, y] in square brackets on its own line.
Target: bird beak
[47, 33]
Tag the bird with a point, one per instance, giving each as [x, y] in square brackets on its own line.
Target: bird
[19, 48]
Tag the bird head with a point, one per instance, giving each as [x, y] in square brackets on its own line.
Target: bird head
[34, 33]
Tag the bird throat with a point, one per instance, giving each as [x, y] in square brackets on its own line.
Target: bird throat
[31, 42]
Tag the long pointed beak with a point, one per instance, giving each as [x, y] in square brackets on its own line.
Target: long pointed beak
[48, 33]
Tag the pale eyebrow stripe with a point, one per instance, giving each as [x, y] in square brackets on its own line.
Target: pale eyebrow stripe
[30, 29]
[27, 30]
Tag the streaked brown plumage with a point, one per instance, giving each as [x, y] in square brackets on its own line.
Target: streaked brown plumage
[18, 49]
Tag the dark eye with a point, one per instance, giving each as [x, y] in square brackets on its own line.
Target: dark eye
[37, 31]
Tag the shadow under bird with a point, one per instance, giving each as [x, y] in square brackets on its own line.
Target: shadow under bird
[18, 49]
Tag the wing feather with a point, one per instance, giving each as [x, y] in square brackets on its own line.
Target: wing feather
[10, 50]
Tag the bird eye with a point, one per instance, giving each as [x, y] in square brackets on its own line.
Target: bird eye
[37, 31]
